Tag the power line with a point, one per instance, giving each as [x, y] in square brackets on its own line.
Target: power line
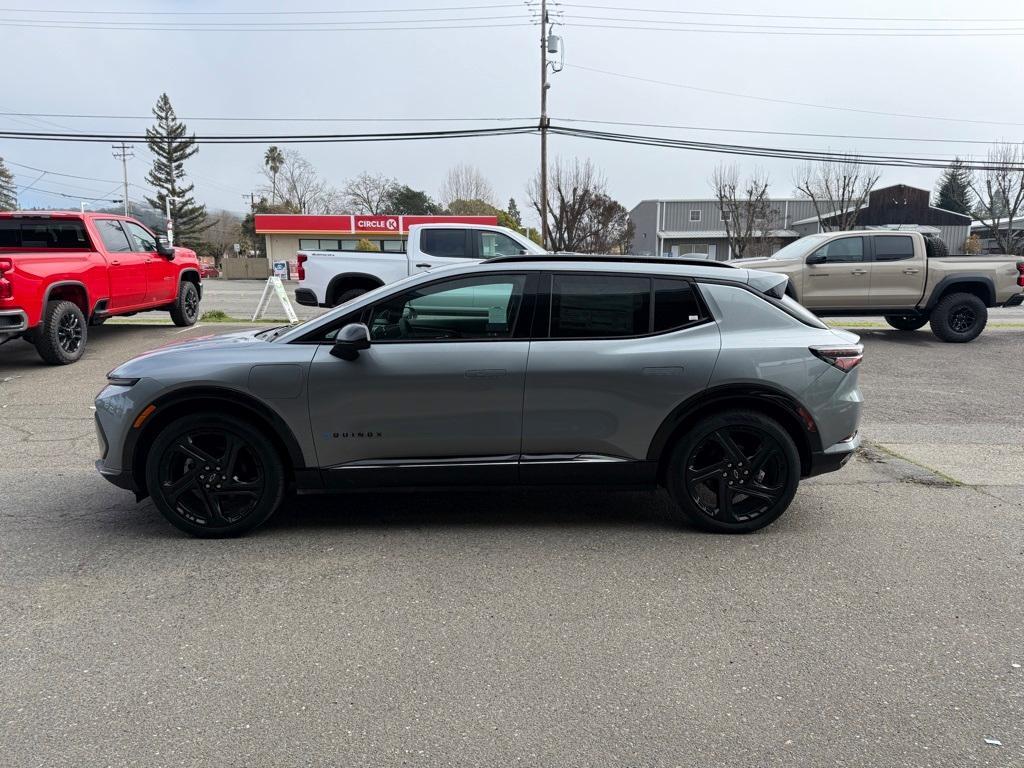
[790, 101]
[780, 15]
[845, 29]
[424, 9]
[794, 32]
[244, 25]
[142, 27]
[276, 119]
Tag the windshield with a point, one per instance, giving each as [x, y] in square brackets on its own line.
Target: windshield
[271, 334]
[799, 247]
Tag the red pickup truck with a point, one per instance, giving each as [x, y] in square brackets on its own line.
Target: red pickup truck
[61, 272]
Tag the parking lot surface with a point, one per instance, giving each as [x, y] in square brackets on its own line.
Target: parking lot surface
[878, 623]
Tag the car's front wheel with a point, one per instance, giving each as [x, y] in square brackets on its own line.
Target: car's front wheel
[906, 322]
[185, 310]
[214, 475]
[734, 472]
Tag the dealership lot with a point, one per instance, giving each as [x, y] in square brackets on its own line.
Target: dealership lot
[877, 623]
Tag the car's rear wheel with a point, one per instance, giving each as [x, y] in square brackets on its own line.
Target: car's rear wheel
[214, 475]
[61, 335]
[185, 309]
[734, 472]
[906, 322]
[959, 317]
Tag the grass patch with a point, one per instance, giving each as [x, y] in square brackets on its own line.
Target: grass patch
[214, 316]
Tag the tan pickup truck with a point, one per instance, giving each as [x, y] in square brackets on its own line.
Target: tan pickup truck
[905, 276]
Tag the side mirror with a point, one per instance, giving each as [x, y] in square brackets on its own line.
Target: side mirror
[815, 258]
[164, 248]
[351, 340]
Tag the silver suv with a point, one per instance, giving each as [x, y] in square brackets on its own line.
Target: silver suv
[699, 377]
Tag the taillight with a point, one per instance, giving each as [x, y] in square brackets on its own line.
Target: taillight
[6, 289]
[843, 358]
[1020, 273]
[301, 270]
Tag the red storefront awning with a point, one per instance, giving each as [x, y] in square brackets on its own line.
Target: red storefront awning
[349, 224]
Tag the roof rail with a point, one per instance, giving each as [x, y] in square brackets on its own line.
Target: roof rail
[606, 258]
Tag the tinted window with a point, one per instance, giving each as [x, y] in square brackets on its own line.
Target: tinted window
[114, 238]
[675, 304]
[497, 244]
[466, 308]
[36, 233]
[144, 241]
[449, 243]
[599, 306]
[842, 251]
[893, 247]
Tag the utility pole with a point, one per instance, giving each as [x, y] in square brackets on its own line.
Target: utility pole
[123, 152]
[544, 123]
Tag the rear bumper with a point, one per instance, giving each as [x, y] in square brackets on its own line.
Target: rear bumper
[13, 321]
[834, 457]
[305, 297]
[1014, 301]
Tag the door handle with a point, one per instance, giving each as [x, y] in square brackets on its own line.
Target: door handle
[858, 272]
[424, 266]
[911, 271]
[115, 262]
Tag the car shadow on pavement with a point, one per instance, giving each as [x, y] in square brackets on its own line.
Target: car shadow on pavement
[500, 507]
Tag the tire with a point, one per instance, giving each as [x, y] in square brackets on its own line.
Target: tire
[61, 334]
[959, 317]
[185, 309]
[348, 295]
[935, 247]
[906, 322]
[716, 447]
[183, 480]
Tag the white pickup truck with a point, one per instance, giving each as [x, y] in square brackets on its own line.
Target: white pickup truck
[330, 278]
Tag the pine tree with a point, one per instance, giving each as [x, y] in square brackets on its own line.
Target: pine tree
[513, 213]
[171, 147]
[8, 194]
[954, 193]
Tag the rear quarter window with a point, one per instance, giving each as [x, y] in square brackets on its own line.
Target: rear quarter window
[55, 234]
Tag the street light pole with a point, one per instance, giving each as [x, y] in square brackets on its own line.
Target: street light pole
[544, 123]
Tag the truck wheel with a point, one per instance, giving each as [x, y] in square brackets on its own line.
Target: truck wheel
[906, 322]
[185, 309]
[348, 295]
[959, 317]
[62, 333]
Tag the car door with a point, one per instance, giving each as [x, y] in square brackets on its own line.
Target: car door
[126, 270]
[438, 396]
[440, 246]
[161, 272]
[838, 275]
[616, 353]
[897, 273]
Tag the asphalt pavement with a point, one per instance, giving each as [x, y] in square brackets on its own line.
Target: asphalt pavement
[879, 622]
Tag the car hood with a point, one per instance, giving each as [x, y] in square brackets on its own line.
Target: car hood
[141, 365]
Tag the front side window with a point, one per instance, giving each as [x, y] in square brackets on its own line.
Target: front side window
[113, 236]
[893, 248]
[845, 250]
[144, 241]
[600, 306]
[497, 244]
[464, 308]
[446, 243]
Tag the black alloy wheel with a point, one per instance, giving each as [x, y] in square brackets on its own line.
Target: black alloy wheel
[959, 317]
[734, 472]
[962, 318]
[214, 475]
[69, 332]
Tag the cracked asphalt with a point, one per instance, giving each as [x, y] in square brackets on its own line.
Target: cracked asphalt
[878, 623]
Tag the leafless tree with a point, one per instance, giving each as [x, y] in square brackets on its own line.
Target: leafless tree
[299, 185]
[223, 230]
[747, 213]
[369, 193]
[581, 216]
[838, 190]
[465, 182]
[1000, 193]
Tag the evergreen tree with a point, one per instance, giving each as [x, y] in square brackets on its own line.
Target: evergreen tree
[8, 194]
[513, 213]
[171, 147]
[954, 192]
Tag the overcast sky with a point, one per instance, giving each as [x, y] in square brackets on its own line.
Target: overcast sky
[494, 72]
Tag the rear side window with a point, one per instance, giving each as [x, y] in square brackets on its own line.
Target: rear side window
[675, 304]
[893, 248]
[58, 234]
[845, 250]
[446, 243]
[600, 306]
[113, 236]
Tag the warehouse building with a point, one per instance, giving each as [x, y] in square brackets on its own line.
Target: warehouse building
[678, 228]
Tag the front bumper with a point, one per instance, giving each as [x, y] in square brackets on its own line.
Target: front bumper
[1014, 301]
[834, 457]
[119, 477]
